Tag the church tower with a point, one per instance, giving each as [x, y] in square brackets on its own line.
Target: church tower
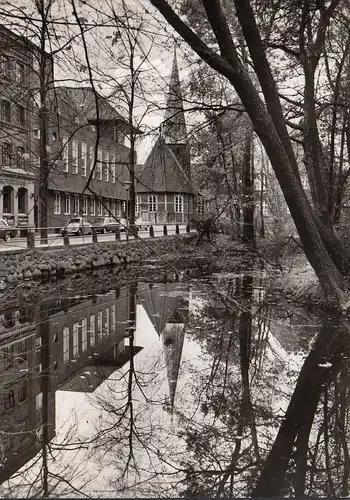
[174, 131]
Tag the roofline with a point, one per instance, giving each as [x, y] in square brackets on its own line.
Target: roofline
[21, 38]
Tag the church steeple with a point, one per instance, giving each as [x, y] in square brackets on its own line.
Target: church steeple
[174, 131]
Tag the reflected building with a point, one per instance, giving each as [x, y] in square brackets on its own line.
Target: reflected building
[167, 306]
[70, 345]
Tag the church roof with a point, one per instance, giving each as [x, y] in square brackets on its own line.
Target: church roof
[174, 125]
[162, 172]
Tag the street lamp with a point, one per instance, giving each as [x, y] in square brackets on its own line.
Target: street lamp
[127, 185]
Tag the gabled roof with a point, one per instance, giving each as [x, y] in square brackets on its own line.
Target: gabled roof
[83, 99]
[162, 172]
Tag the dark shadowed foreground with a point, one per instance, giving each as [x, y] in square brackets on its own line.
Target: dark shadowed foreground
[173, 385]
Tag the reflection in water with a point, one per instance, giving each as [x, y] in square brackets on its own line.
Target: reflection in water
[167, 388]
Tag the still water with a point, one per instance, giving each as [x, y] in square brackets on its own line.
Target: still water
[166, 384]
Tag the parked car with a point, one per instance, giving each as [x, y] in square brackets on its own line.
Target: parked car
[104, 224]
[142, 224]
[77, 225]
[6, 231]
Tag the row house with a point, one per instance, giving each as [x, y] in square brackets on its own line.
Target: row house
[18, 84]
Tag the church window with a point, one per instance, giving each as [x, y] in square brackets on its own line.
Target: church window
[178, 204]
[152, 203]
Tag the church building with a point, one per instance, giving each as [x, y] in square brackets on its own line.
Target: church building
[164, 189]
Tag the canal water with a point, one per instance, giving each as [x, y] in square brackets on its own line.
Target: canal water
[172, 384]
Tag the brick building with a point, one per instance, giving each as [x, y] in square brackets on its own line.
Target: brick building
[164, 190]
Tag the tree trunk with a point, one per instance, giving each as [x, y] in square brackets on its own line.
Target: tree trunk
[248, 235]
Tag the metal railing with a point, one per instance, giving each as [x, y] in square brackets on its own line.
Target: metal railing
[31, 238]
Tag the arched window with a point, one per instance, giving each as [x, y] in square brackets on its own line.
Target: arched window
[22, 200]
[8, 196]
[152, 203]
[178, 204]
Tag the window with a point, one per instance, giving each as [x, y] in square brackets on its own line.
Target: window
[74, 157]
[6, 151]
[20, 115]
[20, 150]
[76, 204]
[92, 329]
[106, 167]
[200, 206]
[67, 204]
[106, 211]
[112, 168]
[92, 160]
[38, 342]
[152, 203]
[178, 204]
[113, 318]
[85, 205]
[99, 165]
[265, 208]
[75, 339]
[5, 66]
[65, 156]
[84, 334]
[57, 204]
[83, 159]
[99, 325]
[138, 204]
[19, 72]
[66, 344]
[36, 133]
[92, 206]
[100, 208]
[22, 391]
[39, 400]
[5, 111]
[113, 207]
[106, 329]
[9, 399]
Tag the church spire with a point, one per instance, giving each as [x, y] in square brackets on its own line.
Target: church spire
[174, 126]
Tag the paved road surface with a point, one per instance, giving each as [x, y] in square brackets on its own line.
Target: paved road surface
[55, 240]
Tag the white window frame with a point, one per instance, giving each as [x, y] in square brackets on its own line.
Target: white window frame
[152, 203]
[99, 165]
[83, 334]
[92, 206]
[83, 159]
[75, 156]
[106, 167]
[92, 330]
[99, 326]
[76, 204]
[112, 168]
[85, 205]
[66, 204]
[100, 209]
[65, 154]
[107, 322]
[57, 203]
[138, 204]
[92, 160]
[66, 353]
[178, 204]
[113, 318]
[75, 339]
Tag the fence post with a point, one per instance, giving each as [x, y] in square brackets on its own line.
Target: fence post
[66, 238]
[151, 232]
[94, 236]
[165, 230]
[117, 234]
[177, 229]
[30, 239]
[188, 230]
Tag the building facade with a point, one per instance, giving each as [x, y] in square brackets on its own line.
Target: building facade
[164, 189]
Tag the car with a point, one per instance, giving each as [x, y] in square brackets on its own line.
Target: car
[105, 224]
[142, 224]
[6, 231]
[77, 226]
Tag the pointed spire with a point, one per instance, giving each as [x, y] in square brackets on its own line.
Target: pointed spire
[174, 125]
